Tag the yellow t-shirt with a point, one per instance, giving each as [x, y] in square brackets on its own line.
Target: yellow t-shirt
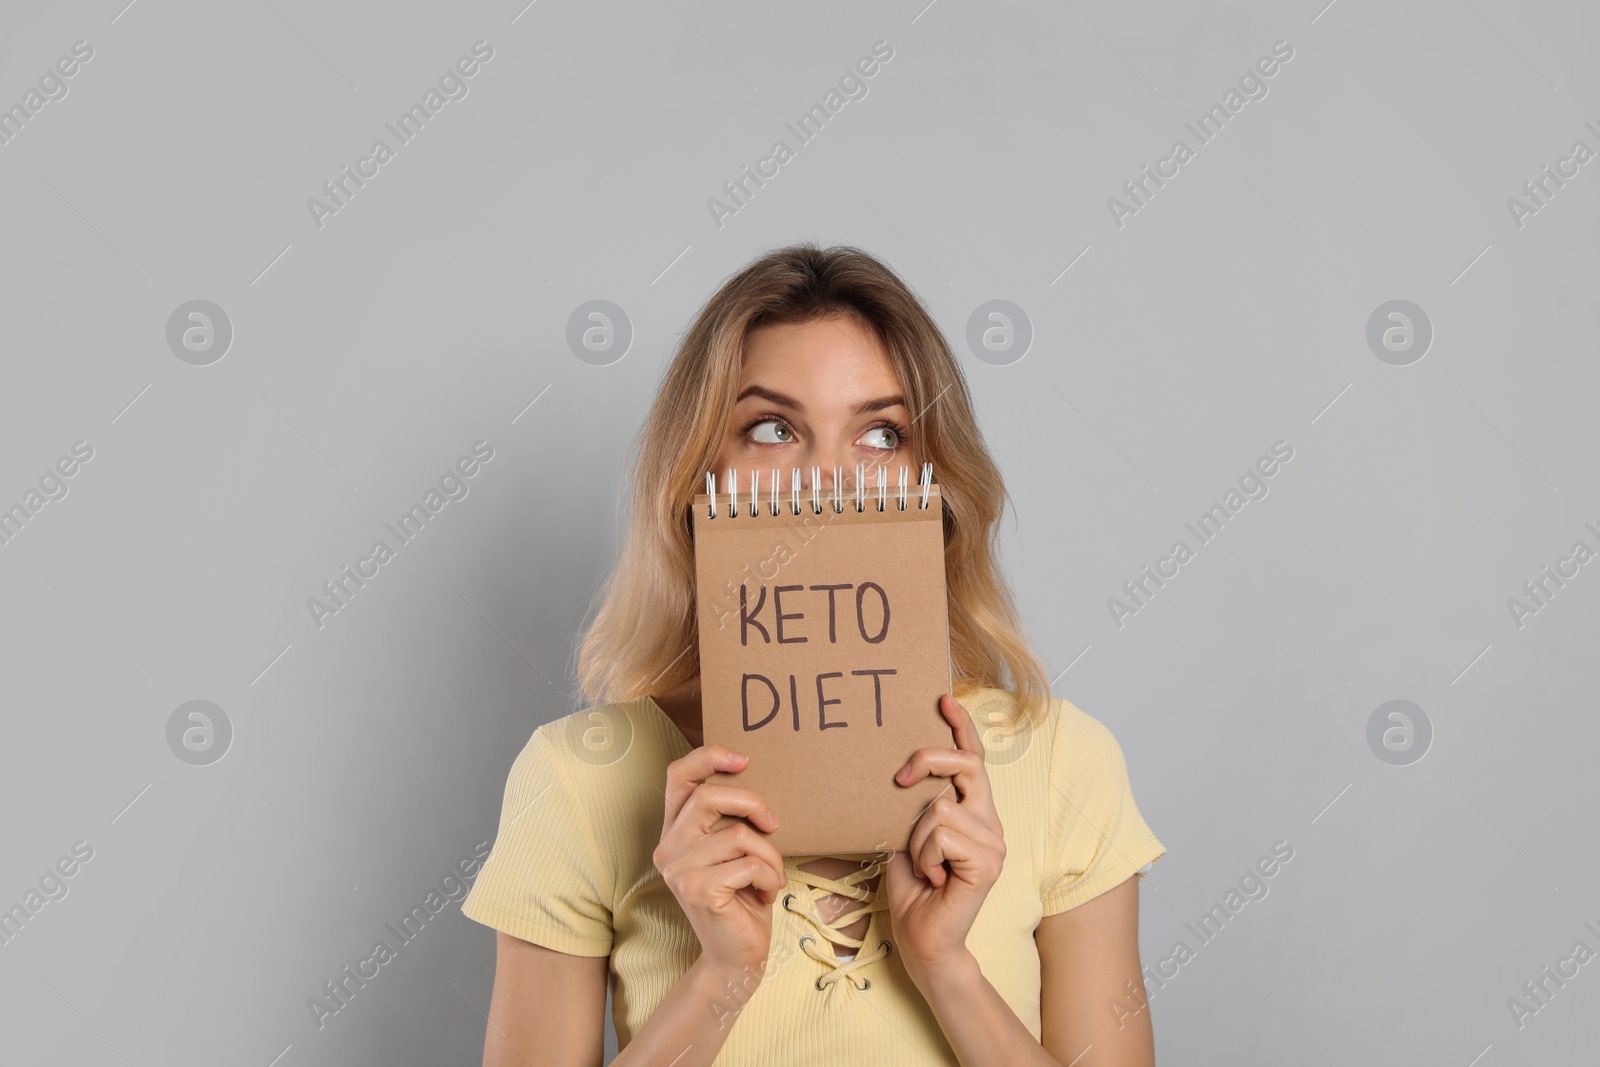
[572, 870]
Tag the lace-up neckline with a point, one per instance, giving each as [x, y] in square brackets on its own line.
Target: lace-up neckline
[803, 902]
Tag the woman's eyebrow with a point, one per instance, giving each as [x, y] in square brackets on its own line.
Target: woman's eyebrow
[775, 397]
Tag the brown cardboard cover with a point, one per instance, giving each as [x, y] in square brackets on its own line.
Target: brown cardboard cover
[831, 787]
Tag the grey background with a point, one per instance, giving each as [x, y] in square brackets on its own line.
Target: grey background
[368, 355]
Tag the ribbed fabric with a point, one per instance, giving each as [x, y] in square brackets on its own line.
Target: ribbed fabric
[572, 870]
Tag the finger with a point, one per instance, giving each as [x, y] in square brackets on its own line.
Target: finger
[945, 845]
[747, 871]
[726, 845]
[958, 817]
[960, 719]
[966, 769]
[710, 802]
[686, 772]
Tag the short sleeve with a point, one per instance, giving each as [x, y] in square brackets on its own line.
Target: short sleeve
[1095, 838]
[547, 879]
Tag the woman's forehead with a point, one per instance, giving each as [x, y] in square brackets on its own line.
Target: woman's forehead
[836, 358]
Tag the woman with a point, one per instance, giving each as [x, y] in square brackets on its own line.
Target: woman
[1007, 934]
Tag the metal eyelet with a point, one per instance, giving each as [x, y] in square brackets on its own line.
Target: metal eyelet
[786, 898]
[818, 983]
[885, 944]
[866, 984]
[804, 938]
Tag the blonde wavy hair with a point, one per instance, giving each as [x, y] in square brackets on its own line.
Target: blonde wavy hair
[644, 638]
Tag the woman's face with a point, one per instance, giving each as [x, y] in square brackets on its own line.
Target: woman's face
[821, 393]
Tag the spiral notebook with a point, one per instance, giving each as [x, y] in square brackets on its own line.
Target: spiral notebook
[824, 648]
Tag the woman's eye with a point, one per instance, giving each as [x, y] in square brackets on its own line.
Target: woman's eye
[882, 437]
[783, 435]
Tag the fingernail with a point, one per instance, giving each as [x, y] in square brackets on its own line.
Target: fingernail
[900, 775]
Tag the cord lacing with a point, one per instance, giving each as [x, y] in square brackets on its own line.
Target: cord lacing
[804, 904]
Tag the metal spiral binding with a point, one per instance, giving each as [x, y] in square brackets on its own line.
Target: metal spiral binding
[925, 480]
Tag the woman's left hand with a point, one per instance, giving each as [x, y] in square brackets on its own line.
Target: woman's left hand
[956, 851]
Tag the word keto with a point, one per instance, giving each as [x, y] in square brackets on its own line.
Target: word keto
[1538, 589]
[748, 616]
[1216, 516]
[52, 86]
[452, 889]
[1580, 154]
[451, 487]
[1252, 86]
[1581, 953]
[452, 85]
[749, 619]
[52, 886]
[1252, 887]
[810, 122]
[52, 486]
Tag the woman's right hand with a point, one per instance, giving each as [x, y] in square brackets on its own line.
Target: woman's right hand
[725, 878]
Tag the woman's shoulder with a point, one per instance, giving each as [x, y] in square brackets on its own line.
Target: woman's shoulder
[601, 746]
[1060, 735]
